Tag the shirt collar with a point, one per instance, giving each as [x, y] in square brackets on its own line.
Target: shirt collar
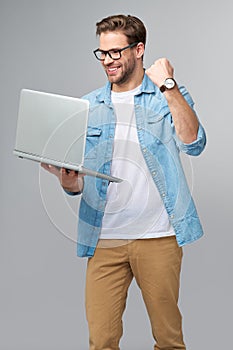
[104, 95]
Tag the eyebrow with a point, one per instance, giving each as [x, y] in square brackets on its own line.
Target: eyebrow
[114, 48]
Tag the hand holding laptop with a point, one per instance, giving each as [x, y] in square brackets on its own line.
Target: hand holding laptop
[71, 180]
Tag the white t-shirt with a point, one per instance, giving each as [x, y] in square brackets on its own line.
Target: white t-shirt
[134, 208]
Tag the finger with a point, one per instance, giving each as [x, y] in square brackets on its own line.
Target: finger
[51, 169]
[69, 173]
[47, 167]
[44, 166]
[81, 175]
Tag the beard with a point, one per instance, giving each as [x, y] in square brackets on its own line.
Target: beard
[125, 75]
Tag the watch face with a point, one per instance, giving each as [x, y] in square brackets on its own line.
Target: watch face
[169, 83]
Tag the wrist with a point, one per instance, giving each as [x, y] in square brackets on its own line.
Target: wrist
[168, 84]
[75, 189]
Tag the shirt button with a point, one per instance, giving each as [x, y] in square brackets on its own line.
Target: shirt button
[172, 216]
[163, 194]
[144, 150]
[154, 173]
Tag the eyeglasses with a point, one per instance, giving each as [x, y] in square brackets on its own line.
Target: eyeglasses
[114, 54]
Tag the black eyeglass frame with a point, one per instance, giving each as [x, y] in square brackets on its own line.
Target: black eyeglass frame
[115, 50]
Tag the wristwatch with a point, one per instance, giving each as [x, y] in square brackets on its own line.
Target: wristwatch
[168, 84]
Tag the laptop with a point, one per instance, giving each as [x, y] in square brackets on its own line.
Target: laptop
[51, 129]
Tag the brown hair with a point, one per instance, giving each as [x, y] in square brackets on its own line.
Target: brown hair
[131, 26]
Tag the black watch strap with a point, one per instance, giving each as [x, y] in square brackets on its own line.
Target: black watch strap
[162, 88]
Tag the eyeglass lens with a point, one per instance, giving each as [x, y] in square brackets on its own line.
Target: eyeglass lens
[113, 54]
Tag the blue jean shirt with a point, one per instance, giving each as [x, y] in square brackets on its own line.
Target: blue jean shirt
[160, 147]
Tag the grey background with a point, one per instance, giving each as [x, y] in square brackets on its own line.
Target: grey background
[47, 45]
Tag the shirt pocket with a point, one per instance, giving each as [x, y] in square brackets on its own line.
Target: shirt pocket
[160, 127]
[92, 142]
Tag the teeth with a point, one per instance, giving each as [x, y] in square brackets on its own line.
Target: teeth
[112, 69]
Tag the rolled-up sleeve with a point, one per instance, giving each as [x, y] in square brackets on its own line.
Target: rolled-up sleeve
[196, 147]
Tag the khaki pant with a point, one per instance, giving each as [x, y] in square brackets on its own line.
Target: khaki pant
[155, 264]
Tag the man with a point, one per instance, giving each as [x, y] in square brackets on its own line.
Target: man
[138, 124]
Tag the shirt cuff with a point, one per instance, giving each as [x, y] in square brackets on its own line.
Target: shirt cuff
[196, 147]
[72, 193]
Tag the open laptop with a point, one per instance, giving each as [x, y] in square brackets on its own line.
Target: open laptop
[51, 129]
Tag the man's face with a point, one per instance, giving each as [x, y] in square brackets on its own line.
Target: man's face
[118, 71]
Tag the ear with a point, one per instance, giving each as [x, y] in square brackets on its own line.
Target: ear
[140, 50]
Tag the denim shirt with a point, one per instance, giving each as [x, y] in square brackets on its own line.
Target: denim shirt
[160, 147]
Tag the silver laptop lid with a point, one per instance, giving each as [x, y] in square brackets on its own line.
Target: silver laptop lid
[51, 127]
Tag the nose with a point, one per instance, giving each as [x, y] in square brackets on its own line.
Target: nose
[107, 59]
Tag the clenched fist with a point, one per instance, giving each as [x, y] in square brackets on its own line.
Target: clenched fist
[160, 70]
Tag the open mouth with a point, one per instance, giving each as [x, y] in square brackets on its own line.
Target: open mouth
[112, 70]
